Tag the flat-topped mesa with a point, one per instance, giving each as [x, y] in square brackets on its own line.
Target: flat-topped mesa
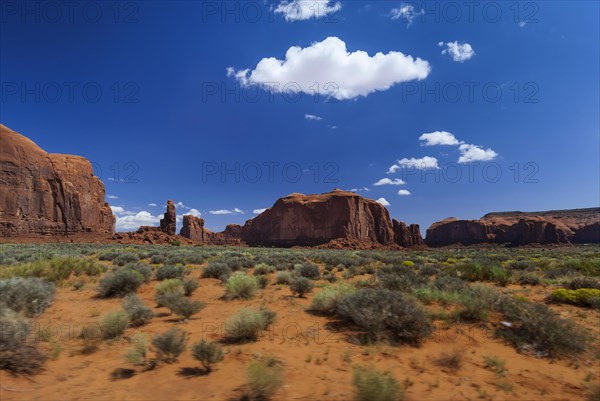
[311, 220]
[168, 224]
[48, 194]
[520, 228]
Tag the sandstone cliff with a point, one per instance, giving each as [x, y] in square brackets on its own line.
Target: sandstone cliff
[48, 194]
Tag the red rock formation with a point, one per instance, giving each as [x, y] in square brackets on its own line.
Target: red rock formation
[310, 220]
[518, 228]
[48, 194]
[193, 228]
[406, 236]
[168, 224]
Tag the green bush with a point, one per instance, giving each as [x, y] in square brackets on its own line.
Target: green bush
[17, 355]
[400, 279]
[138, 353]
[113, 324]
[372, 385]
[207, 353]
[327, 299]
[183, 306]
[54, 270]
[218, 270]
[126, 257]
[120, 283]
[169, 272]
[158, 259]
[263, 268]
[583, 282]
[239, 285]
[309, 270]
[189, 286]
[301, 286]
[141, 268]
[170, 344]
[139, 314]
[385, 314]
[263, 381]
[283, 277]
[168, 289]
[247, 324]
[580, 296]
[29, 296]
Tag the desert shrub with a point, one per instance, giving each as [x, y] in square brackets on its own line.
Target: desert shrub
[169, 288]
[218, 270]
[476, 303]
[385, 314]
[583, 282]
[579, 296]
[495, 364]
[139, 314]
[327, 299]
[170, 344]
[309, 270]
[170, 271]
[247, 324]
[158, 259]
[537, 326]
[449, 283]
[399, 279]
[126, 257]
[138, 353]
[54, 270]
[16, 354]
[120, 283]
[196, 259]
[207, 353]
[29, 296]
[189, 286]
[176, 259]
[483, 270]
[451, 360]
[113, 324]
[108, 255]
[239, 285]
[263, 381]
[373, 385]
[263, 268]
[182, 306]
[529, 279]
[283, 277]
[431, 294]
[141, 268]
[429, 270]
[556, 273]
[263, 281]
[301, 286]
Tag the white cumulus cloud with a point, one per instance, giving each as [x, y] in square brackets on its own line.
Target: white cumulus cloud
[474, 153]
[152, 204]
[438, 138]
[393, 168]
[327, 68]
[128, 220]
[406, 12]
[300, 10]
[194, 212]
[460, 52]
[258, 211]
[226, 211]
[387, 181]
[112, 197]
[423, 163]
[383, 201]
[404, 192]
[312, 117]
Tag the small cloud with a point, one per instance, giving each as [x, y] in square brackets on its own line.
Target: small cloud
[393, 168]
[152, 204]
[332, 126]
[312, 117]
[300, 10]
[258, 211]
[460, 52]
[406, 12]
[438, 138]
[194, 212]
[226, 211]
[423, 163]
[387, 181]
[182, 205]
[366, 189]
[404, 192]
[383, 201]
[522, 24]
[117, 209]
[112, 197]
[474, 153]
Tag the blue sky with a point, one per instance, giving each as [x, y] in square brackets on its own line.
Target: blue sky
[183, 100]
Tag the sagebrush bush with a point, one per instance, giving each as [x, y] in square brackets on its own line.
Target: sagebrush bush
[385, 314]
[169, 271]
[373, 385]
[168, 289]
[113, 324]
[189, 286]
[218, 270]
[309, 270]
[126, 257]
[182, 306]
[580, 296]
[400, 279]
[301, 286]
[535, 325]
[283, 277]
[583, 282]
[158, 259]
[263, 381]
[247, 324]
[16, 354]
[263, 268]
[207, 353]
[138, 353]
[139, 314]
[170, 344]
[142, 268]
[451, 360]
[239, 285]
[55, 270]
[29, 296]
[327, 299]
[120, 283]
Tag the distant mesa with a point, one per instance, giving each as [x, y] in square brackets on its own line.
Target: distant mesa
[519, 228]
[48, 194]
